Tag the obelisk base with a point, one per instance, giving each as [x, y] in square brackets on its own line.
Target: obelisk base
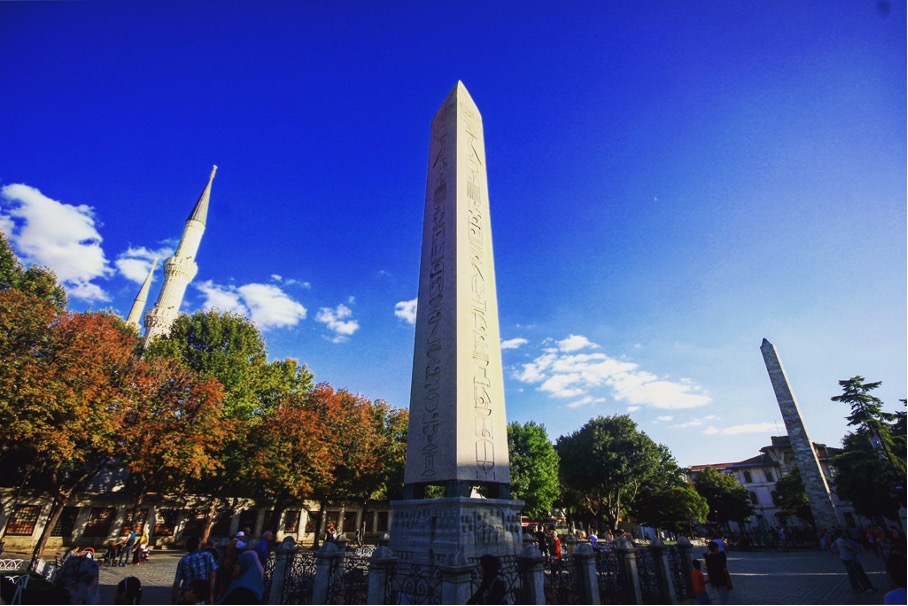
[430, 530]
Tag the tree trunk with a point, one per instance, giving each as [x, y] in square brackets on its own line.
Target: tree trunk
[56, 509]
[277, 510]
[322, 523]
[362, 519]
[209, 520]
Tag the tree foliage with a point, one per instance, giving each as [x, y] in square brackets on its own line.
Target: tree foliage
[38, 282]
[728, 501]
[791, 497]
[534, 468]
[871, 468]
[671, 507]
[605, 463]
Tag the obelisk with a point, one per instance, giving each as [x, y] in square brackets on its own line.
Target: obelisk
[457, 435]
[815, 484]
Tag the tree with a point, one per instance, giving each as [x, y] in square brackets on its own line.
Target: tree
[38, 282]
[871, 468]
[791, 497]
[534, 468]
[728, 501]
[604, 464]
[672, 508]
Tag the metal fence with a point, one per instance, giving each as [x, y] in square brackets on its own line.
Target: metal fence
[299, 579]
[412, 583]
[611, 578]
[348, 580]
[510, 572]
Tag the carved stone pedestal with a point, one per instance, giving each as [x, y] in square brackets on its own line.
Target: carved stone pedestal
[431, 530]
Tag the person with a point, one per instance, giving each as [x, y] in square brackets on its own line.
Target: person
[594, 540]
[264, 544]
[141, 551]
[847, 550]
[717, 571]
[76, 583]
[360, 531]
[231, 553]
[698, 582]
[129, 591]
[127, 548]
[330, 533]
[194, 565]
[248, 584]
[198, 592]
[556, 547]
[492, 589]
[542, 541]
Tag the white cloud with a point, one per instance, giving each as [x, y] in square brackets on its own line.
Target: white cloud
[664, 418]
[60, 236]
[265, 304]
[135, 262]
[691, 423]
[406, 310]
[586, 401]
[513, 343]
[632, 408]
[738, 429]
[563, 373]
[335, 320]
[575, 342]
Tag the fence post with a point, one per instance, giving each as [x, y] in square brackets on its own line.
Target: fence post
[628, 555]
[455, 579]
[685, 550]
[283, 555]
[324, 562]
[531, 566]
[585, 560]
[663, 572]
[380, 563]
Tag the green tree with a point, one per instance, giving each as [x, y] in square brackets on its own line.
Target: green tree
[791, 497]
[672, 508]
[871, 468]
[38, 282]
[728, 500]
[534, 468]
[604, 464]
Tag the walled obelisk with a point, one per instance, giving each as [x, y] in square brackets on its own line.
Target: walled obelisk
[815, 484]
[457, 436]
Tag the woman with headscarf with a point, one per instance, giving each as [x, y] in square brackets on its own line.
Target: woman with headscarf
[248, 580]
[492, 590]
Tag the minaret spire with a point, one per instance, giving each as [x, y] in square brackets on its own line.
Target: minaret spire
[138, 306]
[179, 270]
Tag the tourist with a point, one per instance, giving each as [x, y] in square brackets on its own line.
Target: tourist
[129, 591]
[127, 548]
[897, 572]
[141, 551]
[76, 582]
[248, 584]
[556, 547]
[542, 541]
[492, 589]
[847, 550]
[198, 592]
[717, 571]
[231, 553]
[264, 544]
[193, 566]
[330, 533]
[594, 540]
[698, 582]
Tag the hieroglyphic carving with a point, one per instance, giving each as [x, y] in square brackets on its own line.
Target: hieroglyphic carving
[476, 236]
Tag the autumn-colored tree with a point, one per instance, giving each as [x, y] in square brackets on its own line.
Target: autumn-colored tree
[175, 430]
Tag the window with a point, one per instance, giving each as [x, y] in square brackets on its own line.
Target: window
[66, 523]
[350, 521]
[753, 497]
[248, 518]
[291, 521]
[769, 476]
[747, 478]
[22, 522]
[313, 520]
[165, 522]
[195, 523]
[99, 521]
[140, 525]
[369, 520]
[221, 526]
[382, 521]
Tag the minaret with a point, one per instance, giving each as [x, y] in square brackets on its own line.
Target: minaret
[138, 306]
[815, 484]
[179, 270]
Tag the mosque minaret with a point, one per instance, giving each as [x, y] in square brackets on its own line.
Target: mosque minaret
[179, 270]
[135, 314]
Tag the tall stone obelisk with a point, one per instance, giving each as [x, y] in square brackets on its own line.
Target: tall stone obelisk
[815, 484]
[458, 431]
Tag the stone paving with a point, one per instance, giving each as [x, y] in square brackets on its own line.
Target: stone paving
[796, 577]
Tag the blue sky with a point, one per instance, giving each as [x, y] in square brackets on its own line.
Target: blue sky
[670, 182]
